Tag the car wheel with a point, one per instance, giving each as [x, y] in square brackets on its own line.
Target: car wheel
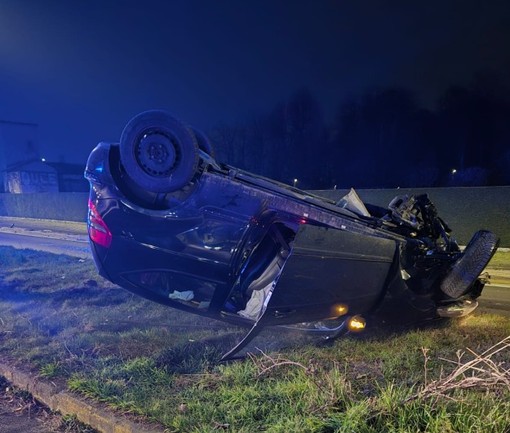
[158, 152]
[468, 267]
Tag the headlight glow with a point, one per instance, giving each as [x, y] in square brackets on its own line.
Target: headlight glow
[356, 324]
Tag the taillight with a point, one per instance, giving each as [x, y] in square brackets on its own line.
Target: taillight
[98, 230]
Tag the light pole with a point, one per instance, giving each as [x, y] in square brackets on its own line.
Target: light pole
[294, 183]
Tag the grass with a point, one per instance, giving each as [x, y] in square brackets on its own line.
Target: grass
[59, 317]
[501, 260]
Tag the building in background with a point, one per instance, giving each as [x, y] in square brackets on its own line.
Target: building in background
[22, 170]
[40, 176]
[70, 177]
[30, 177]
[18, 144]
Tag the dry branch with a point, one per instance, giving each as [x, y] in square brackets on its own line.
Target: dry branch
[267, 363]
[480, 372]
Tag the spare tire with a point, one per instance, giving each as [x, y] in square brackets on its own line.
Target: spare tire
[158, 152]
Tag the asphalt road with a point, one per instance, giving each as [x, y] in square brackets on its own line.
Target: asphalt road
[58, 237]
[71, 247]
[495, 300]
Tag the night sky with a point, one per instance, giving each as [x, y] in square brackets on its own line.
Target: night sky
[82, 69]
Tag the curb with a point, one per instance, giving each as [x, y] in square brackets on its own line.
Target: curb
[60, 400]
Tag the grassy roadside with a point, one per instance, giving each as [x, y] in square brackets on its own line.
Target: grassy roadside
[59, 317]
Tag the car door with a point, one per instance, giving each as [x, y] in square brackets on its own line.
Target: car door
[328, 268]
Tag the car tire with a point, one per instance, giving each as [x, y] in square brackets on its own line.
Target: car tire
[468, 267]
[159, 153]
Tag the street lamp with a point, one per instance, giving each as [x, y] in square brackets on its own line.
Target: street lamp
[295, 183]
[453, 171]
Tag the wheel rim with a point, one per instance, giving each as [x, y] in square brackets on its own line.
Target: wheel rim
[157, 153]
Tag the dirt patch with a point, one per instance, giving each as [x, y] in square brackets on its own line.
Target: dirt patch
[20, 412]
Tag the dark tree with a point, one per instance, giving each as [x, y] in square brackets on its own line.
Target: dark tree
[377, 137]
[475, 131]
[380, 139]
[286, 144]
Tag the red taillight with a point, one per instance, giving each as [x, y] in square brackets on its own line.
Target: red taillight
[98, 230]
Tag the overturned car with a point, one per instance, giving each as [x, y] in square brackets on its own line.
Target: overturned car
[168, 222]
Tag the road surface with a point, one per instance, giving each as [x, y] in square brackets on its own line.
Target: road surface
[70, 247]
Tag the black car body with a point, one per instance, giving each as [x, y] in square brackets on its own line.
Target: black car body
[166, 221]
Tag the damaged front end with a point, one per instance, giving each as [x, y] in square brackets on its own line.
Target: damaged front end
[439, 276]
[325, 280]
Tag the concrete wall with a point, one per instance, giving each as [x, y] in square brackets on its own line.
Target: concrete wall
[466, 210]
[67, 206]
